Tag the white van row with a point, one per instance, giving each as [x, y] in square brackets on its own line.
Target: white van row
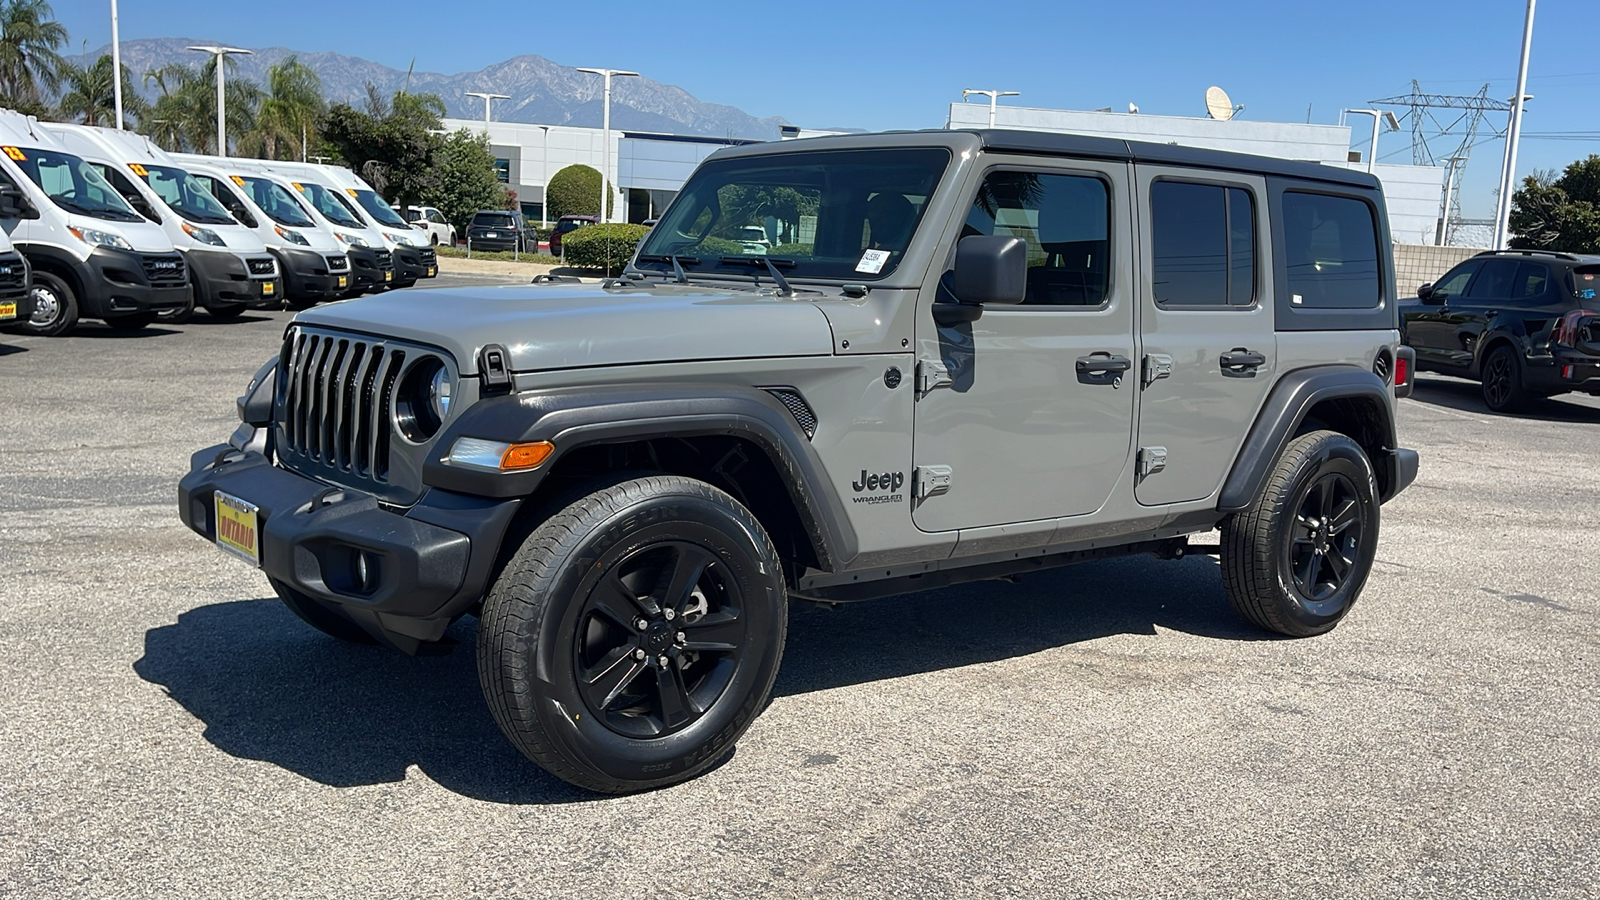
[111, 227]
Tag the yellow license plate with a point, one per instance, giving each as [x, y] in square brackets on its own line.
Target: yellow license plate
[8, 310]
[388, 276]
[432, 271]
[238, 527]
[341, 282]
[268, 288]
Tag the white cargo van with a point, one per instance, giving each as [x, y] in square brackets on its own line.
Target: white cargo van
[91, 255]
[414, 257]
[229, 266]
[312, 260]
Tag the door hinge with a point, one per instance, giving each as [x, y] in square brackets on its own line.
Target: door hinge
[930, 481]
[932, 374]
[1156, 366]
[1151, 460]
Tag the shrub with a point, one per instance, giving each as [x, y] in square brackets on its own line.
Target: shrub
[607, 247]
[791, 250]
[574, 191]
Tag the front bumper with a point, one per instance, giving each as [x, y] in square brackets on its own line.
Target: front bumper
[307, 275]
[370, 270]
[16, 299]
[126, 282]
[427, 564]
[1401, 470]
[222, 278]
[413, 263]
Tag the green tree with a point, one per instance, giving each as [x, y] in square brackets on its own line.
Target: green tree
[30, 67]
[467, 181]
[184, 113]
[575, 191]
[291, 111]
[90, 96]
[1559, 213]
[392, 143]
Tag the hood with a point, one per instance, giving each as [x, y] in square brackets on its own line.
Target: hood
[566, 326]
[317, 239]
[239, 238]
[145, 237]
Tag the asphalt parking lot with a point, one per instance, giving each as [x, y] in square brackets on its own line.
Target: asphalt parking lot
[168, 729]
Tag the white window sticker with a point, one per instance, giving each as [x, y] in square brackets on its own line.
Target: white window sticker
[872, 261]
[1296, 299]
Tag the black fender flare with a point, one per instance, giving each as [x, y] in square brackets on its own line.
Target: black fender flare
[1292, 397]
[571, 418]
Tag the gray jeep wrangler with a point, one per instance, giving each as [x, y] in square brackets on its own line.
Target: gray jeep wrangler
[954, 356]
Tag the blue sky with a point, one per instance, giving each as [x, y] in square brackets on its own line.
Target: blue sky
[828, 63]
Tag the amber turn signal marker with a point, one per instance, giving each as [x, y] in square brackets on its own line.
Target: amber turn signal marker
[526, 456]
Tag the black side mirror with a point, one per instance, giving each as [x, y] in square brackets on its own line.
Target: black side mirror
[13, 205]
[991, 269]
[1426, 294]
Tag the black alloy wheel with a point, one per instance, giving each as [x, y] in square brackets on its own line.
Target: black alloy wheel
[1328, 527]
[1502, 381]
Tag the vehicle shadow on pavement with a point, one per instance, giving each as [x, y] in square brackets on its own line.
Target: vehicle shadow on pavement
[104, 331]
[269, 688]
[8, 349]
[1467, 396]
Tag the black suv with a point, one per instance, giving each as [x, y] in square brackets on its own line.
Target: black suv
[502, 229]
[1525, 323]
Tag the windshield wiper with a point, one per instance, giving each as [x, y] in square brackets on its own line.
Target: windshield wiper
[110, 213]
[784, 290]
[677, 267]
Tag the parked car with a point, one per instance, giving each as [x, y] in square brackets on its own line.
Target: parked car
[566, 225]
[502, 229]
[753, 238]
[1523, 323]
[432, 223]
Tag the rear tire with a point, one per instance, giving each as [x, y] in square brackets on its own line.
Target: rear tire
[324, 617]
[635, 634]
[1503, 389]
[55, 307]
[1296, 560]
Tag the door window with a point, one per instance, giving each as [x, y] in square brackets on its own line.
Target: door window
[1065, 221]
[1494, 281]
[1204, 244]
[1454, 283]
[1331, 245]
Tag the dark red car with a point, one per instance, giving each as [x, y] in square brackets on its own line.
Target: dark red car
[566, 224]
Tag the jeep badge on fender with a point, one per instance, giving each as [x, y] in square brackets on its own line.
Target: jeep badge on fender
[626, 507]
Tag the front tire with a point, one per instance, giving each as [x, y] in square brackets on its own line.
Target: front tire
[635, 634]
[1503, 388]
[55, 306]
[1296, 560]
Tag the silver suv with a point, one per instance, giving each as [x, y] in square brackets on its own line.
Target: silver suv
[964, 355]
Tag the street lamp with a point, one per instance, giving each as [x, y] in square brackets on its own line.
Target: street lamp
[605, 134]
[222, 108]
[1508, 176]
[116, 64]
[544, 177]
[1394, 125]
[994, 99]
[486, 100]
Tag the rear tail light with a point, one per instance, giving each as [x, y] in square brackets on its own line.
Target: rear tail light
[1573, 329]
[1402, 371]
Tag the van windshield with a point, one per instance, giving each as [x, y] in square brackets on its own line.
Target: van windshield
[179, 190]
[821, 214]
[327, 203]
[73, 184]
[378, 209]
[276, 202]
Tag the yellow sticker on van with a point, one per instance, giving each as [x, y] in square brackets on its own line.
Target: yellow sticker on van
[350, 191]
[237, 180]
[298, 186]
[138, 170]
[15, 153]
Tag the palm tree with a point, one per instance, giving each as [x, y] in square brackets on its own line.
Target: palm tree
[184, 114]
[290, 110]
[29, 36]
[91, 95]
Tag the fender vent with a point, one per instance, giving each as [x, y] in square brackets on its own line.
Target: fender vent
[797, 407]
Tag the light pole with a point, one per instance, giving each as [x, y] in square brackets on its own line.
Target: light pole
[1508, 177]
[487, 98]
[605, 135]
[544, 177]
[222, 108]
[1372, 150]
[116, 64]
[994, 99]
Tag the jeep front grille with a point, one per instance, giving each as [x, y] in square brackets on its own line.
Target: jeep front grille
[164, 270]
[335, 394]
[797, 407]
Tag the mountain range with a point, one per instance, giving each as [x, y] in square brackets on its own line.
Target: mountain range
[541, 91]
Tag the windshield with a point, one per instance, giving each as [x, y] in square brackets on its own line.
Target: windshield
[825, 214]
[327, 203]
[276, 202]
[378, 209]
[179, 190]
[501, 220]
[72, 184]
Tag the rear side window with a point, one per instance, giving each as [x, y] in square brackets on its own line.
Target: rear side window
[1530, 282]
[1204, 251]
[1331, 248]
[1494, 281]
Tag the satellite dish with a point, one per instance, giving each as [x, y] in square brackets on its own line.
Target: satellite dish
[1133, 110]
[1218, 104]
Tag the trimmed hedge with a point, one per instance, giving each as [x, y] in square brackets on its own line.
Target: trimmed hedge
[783, 250]
[575, 191]
[606, 247]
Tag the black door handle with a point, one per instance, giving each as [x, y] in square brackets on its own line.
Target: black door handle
[1102, 363]
[1242, 363]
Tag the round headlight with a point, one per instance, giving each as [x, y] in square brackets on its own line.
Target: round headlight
[422, 400]
[439, 393]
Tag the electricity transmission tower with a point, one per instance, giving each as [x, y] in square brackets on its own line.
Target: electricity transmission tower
[1463, 129]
